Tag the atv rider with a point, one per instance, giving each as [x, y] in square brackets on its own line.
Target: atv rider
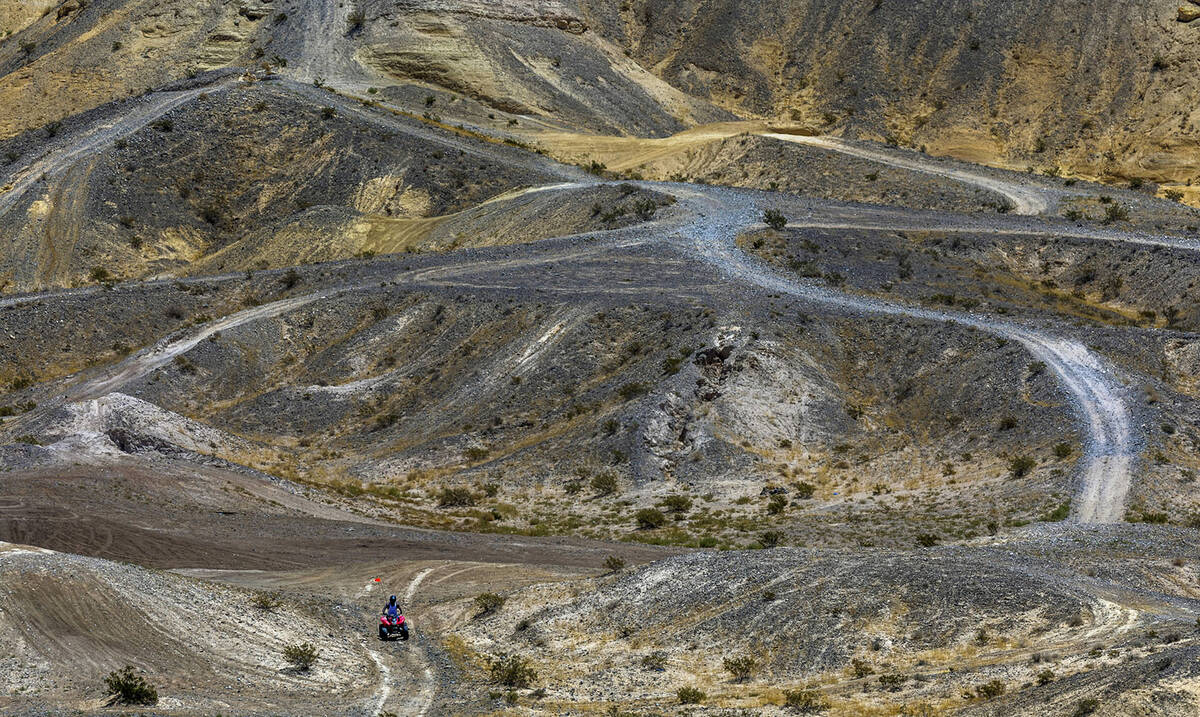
[392, 609]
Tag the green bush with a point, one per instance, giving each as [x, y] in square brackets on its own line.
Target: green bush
[1086, 707]
[489, 603]
[1115, 213]
[774, 219]
[614, 564]
[605, 483]
[655, 662]
[127, 687]
[650, 518]
[741, 667]
[770, 539]
[513, 671]
[676, 503]
[928, 540]
[265, 601]
[301, 655]
[777, 504]
[804, 491]
[456, 498]
[806, 702]
[990, 690]
[1020, 466]
[690, 696]
[1063, 451]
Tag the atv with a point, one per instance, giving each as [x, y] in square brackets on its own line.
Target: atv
[392, 628]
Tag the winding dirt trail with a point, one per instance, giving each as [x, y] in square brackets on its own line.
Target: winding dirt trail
[1026, 199]
[418, 700]
[719, 215]
[70, 150]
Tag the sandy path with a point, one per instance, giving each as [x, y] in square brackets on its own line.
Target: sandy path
[1025, 199]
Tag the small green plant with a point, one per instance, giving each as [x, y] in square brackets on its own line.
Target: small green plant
[774, 219]
[928, 540]
[650, 518]
[1020, 466]
[301, 655]
[1086, 707]
[777, 504]
[804, 491]
[990, 690]
[127, 687]
[513, 671]
[770, 539]
[456, 497]
[676, 503]
[740, 667]
[1115, 213]
[805, 702]
[1063, 451]
[265, 601]
[690, 696]
[100, 275]
[328, 113]
[488, 603]
[605, 483]
[355, 20]
[655, 662]
[1059, 514]
[861, 668]
[892, 682]
[614, 564]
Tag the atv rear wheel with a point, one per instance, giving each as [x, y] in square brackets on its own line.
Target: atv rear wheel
[383, 633]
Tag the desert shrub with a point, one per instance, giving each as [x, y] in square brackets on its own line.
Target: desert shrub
[1045, 677]
[489, 603]
[127, 687]
[804, 491]
[265, 601]
[806, 702]
[777, 504]
[740, 667]
[1062, 451]
[513, 671]
[655, 662]
[630, 391]
[291, 279]
[990, 690]
[774, 219]
[301, 655]
[861, 668]
[1115, 213]
[614, 564]
[770, 539]
[892, 682]
[1059, 514]
[1020, 466]
[645, 208]
[163, 125]
[100, 275]
[1007, 423]
[1174, 195]
[690, 696]
[573, 487]
[650, 518]
[676, 503]
[458, 497]
[1086, 707]
[927, 540]
[605, 483]
[355, 20]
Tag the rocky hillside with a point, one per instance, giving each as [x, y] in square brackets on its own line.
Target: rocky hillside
[1102, 89]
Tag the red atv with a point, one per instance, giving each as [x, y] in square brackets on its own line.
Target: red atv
[392, 628]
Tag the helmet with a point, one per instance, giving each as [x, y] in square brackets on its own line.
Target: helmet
[392, 599]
